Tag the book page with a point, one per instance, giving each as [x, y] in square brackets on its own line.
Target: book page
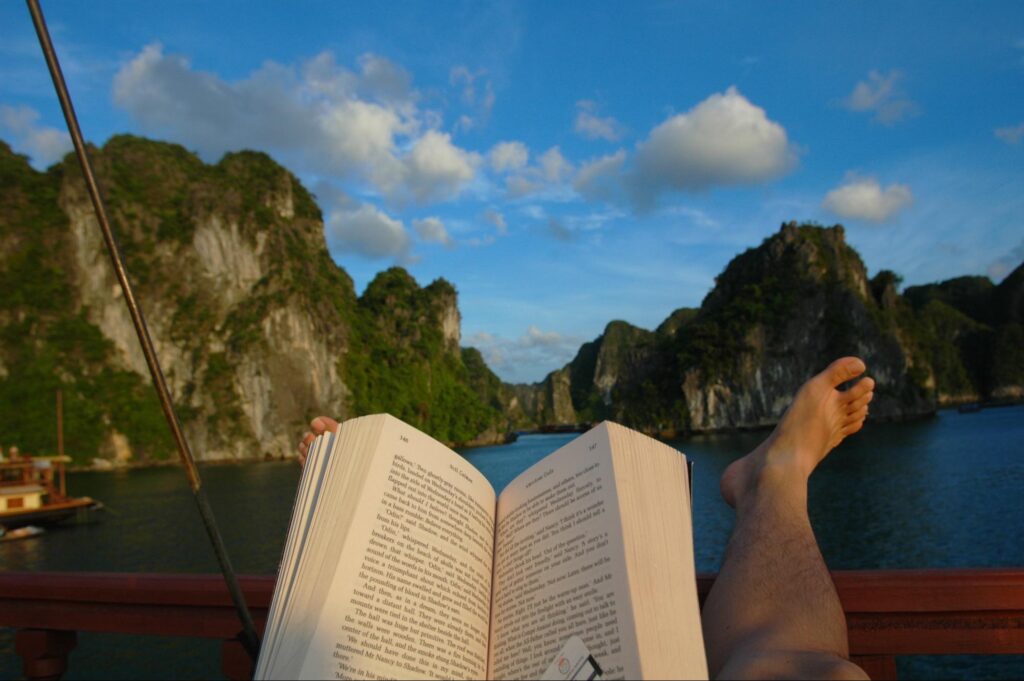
[411, 594]
[560, 565]
[326, 502]
[657, 530]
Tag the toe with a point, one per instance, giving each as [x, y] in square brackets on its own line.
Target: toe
[322, 424]
[859, 389]
[855, 420]
[859, 403]
[851, 428]
[844, 369]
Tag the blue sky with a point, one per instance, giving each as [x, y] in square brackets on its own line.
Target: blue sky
[565, 164]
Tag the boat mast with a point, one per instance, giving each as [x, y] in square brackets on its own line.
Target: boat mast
[248, 636]
[60, 442]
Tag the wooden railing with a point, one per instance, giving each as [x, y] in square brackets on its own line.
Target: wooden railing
[889, 613]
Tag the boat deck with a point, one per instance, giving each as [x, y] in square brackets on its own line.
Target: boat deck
[889, 613]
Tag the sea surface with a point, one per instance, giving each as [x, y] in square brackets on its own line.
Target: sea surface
[944, 492]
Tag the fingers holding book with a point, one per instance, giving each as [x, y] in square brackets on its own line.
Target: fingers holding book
[320, 425]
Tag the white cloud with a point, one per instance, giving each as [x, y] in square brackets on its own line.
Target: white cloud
[433, 230]
[359, 138]
[537, 338]
[481, 99]
[436, 168]
[385, 81]
[43, 145]
[557, 229]
[462, 76]
[497, 219]
[601, 178]
[506, 156]
[1012, 134]
[535, 348]
[553, 166]
[1001, 267]
[549, 174]
[724, 140]
[590, 125]
[533, 211]
[379, 80]
[369, 231]
[862, 198]
[517, 186]
[320, 117]
[882, 95]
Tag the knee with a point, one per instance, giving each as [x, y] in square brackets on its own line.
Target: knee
[839, 669]
[791, 665]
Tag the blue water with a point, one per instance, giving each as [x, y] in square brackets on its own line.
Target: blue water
[938, 493]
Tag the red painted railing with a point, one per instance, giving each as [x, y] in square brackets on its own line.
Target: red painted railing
[889, 613]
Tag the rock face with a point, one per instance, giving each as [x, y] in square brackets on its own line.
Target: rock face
[974, 331]
[778, 314]
[257, 330]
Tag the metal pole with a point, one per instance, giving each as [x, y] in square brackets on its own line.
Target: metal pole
[248, 638]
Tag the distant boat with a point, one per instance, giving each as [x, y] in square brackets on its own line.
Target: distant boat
[20, 533]
[969, 407]
[33, 491]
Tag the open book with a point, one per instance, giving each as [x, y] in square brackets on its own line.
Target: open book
[402, 562]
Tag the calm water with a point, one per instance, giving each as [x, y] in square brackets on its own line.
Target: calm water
[939, 493]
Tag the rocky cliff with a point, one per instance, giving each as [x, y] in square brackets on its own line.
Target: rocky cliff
[974, 331]
[778, 314]
[256, 327]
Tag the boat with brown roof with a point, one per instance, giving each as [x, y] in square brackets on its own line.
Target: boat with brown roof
[33, 491]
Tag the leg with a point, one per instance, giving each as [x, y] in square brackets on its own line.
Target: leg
[320, 425]
[773, 610]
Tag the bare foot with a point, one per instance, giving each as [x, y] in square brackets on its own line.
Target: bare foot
[817, 420]
[320, 425]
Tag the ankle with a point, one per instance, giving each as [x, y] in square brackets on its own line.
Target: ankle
[777, 477]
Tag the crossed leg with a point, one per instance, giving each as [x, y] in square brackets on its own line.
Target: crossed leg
[773, 611]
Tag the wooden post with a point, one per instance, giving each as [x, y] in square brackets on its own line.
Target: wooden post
[60, 423]
[60, 442]
[44, 652]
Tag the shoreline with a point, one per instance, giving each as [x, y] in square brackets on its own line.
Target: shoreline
[566, 429]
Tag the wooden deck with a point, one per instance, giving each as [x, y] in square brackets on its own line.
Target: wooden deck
[889, 612]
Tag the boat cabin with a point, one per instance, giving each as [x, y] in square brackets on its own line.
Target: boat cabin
[17, 497]
[34, 489]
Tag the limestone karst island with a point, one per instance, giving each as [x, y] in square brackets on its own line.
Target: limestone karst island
[259, 330]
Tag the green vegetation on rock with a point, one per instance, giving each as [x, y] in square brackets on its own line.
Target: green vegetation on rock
[783, 310]
[400, 361]
[47, 342]
[176, 217]
[230, 264]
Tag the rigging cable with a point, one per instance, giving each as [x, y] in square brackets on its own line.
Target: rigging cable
[248, 635]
